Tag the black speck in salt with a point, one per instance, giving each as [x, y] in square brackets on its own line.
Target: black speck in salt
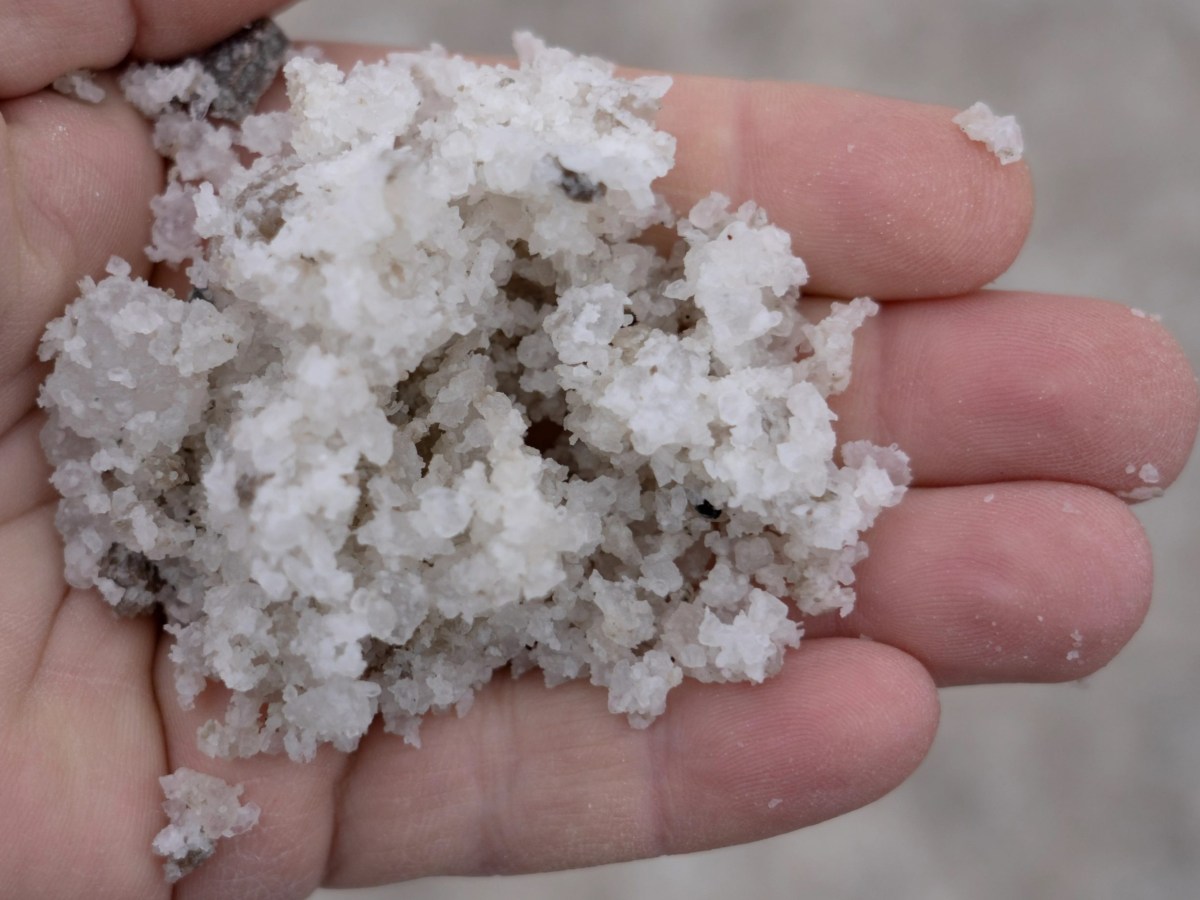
[579, 187]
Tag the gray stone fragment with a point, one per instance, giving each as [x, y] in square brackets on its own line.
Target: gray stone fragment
[244, 65]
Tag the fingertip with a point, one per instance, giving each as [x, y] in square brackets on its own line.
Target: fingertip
[168, 31]
[891, 709]
[44, 40]
[1172, 411]
[920, 210]
[85, 177]
[999, 218]
[1120, 611]
[1078, 636]
[844, 723]
[1021, 582]
[999, 386]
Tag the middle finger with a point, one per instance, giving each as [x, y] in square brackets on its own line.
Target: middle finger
[1002, 386]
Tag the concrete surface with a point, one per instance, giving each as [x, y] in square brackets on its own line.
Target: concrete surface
[1045, 792]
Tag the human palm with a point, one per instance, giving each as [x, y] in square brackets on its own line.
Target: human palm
[1021, 414]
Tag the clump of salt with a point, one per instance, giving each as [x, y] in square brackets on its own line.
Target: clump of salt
[1149, 475]
[202, 809]
[434, 408]
[1000, 134]
[81, 85]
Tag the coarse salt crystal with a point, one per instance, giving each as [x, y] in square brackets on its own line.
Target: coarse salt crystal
[1000, 134]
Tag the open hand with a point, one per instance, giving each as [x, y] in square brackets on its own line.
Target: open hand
[1011, 559]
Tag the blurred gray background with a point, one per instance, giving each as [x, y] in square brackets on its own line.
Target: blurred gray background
[1068, 791]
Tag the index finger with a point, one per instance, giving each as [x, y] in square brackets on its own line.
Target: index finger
[882, 197]
[42, 40]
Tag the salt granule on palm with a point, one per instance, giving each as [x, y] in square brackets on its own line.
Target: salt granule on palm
[434, 406]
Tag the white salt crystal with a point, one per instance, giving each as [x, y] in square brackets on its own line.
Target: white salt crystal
[80, 84]
[154, 89]
[1001, 134]
[774, 803]
[1149, 474]
[1141, 493]
[202, 809]
[1076, 642]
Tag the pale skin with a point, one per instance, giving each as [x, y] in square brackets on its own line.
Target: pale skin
[1036, 402]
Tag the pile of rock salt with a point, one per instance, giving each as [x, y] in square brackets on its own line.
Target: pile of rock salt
[434, 407]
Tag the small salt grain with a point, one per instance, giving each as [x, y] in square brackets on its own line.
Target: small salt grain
[1076, 642]
[1001, 134]
[80, 84]
[774, 803]
[1141, 493]
[1149, 474]
[988, 498]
